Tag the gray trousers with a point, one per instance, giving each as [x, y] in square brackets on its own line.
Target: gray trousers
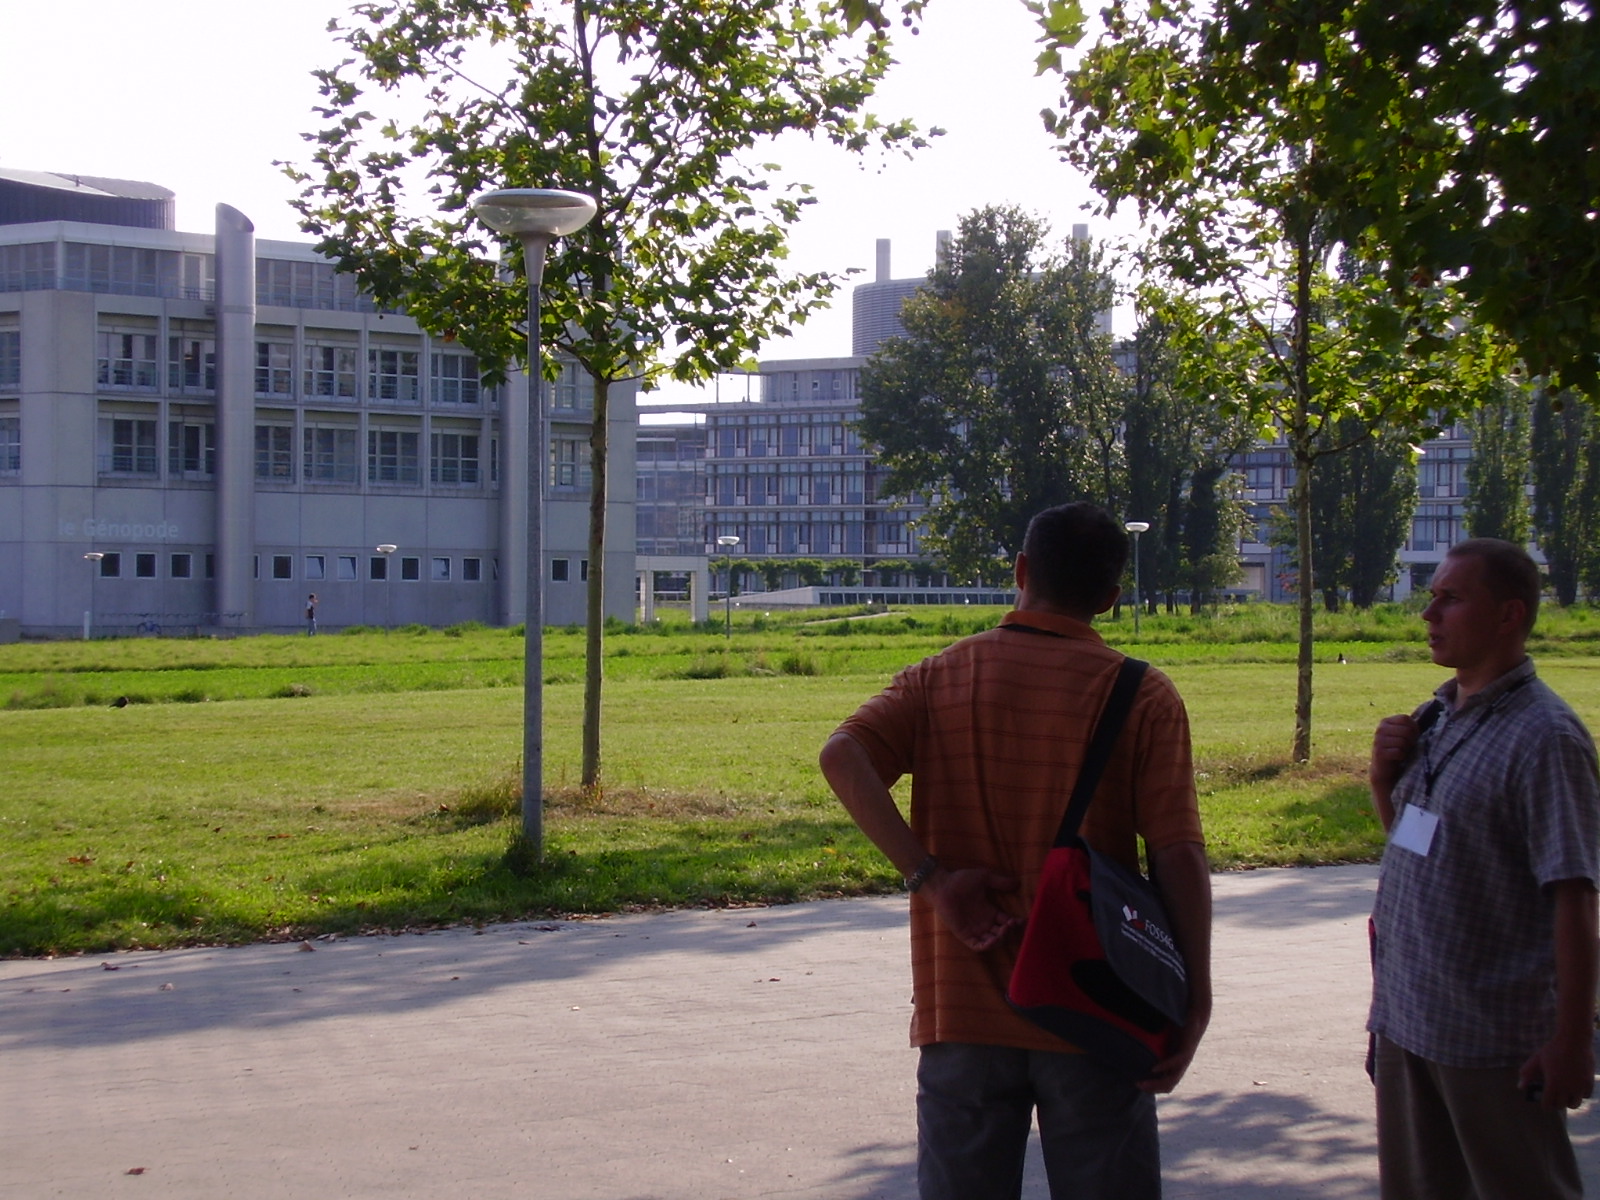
[1465, 1133]
[975, 1106]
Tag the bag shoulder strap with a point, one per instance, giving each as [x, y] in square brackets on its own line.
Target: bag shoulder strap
[1106, 732]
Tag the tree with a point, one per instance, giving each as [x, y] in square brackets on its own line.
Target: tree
[652, 107]
[1212, 521]
[1566, 488]
[1455, 142]
[1218, 129]
[1179, 445]
[1362, 501]
[1498, 472]
[987, 405]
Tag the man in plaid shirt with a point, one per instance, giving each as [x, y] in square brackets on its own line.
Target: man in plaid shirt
[1485, 921]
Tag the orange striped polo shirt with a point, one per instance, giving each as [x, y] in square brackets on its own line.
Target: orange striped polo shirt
[992, 731]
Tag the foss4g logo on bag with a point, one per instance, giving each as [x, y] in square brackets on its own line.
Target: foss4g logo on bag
[1146, 931]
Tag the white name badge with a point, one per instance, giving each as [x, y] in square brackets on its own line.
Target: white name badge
[1414, 832]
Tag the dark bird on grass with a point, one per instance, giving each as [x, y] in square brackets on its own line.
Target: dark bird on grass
[119, 702]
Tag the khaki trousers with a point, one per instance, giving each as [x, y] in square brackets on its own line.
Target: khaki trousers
[1465, 1133]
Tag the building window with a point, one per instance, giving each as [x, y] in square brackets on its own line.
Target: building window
[560, 570]
[347, 568]
[211, 566]
[392, 456]
[471, 570]
[10, 445]
[583, 570]
[181, 566]
[191, 364]
[439, 570]
[275, 452]
[455, 379]
[28, 268]
[191, 450]
[111, 565]
[378, 566]
[573, 390]
[283, 566]
[454, 458]
[316, 567]
[393, 375]
[330, 455]
[10, 359]
[128, 446]
[292, 284]
[410, 570]
[330, 371]
[144, 566]
[274, 369]
[126, 360]
[199, 276]
[569, 462]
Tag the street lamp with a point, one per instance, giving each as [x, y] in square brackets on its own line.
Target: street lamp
[386, 550]
[728, 541]
[1136, 528]
[93, 559]
[535, 217]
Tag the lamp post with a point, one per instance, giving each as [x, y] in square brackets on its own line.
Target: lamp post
[535, 217]
[1136, 528]
[93, 559]
[387, 549]
[727, 541]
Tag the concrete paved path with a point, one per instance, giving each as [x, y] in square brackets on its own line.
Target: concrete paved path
[675, 1056]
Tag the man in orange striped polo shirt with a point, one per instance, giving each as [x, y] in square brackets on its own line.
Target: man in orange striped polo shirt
[992, 732]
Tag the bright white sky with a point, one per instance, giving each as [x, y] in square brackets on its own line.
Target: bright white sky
[201, 96]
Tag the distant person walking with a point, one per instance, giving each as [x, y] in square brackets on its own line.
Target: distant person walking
[1485, 956]
[311, 615]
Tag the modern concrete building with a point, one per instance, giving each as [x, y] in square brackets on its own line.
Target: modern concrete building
[197, 431]
[785, 473]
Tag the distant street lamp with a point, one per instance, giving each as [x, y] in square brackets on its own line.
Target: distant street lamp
[727, 541]
[386, 550]
[535, 217]
[93, 559]
[1136, 528]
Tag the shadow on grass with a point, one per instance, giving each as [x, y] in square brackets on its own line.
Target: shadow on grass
[710, 863]
[1306, 827]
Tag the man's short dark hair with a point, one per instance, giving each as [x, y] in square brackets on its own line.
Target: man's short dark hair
[1508, 572]
[1076, 555]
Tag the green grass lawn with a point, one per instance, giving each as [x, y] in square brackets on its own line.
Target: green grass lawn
[295, 786]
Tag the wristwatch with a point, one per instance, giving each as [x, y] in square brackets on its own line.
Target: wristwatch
[920, 876]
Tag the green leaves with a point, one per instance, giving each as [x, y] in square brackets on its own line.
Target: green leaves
[650, 106]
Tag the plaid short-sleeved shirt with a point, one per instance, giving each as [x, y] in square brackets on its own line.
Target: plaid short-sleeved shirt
[992, 732]
[1464, 973]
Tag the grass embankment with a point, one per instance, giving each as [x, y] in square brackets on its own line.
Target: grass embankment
[368, 781]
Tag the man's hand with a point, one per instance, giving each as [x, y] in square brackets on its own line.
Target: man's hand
[964, 903]
[1562, 1070]
[1392, 746]
[1167, 1073]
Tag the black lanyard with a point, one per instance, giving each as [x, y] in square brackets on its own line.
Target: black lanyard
[1431, 773]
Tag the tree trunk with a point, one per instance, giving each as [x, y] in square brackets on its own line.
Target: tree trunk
[1300, 440]
[1302, 699]
[595, 596]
